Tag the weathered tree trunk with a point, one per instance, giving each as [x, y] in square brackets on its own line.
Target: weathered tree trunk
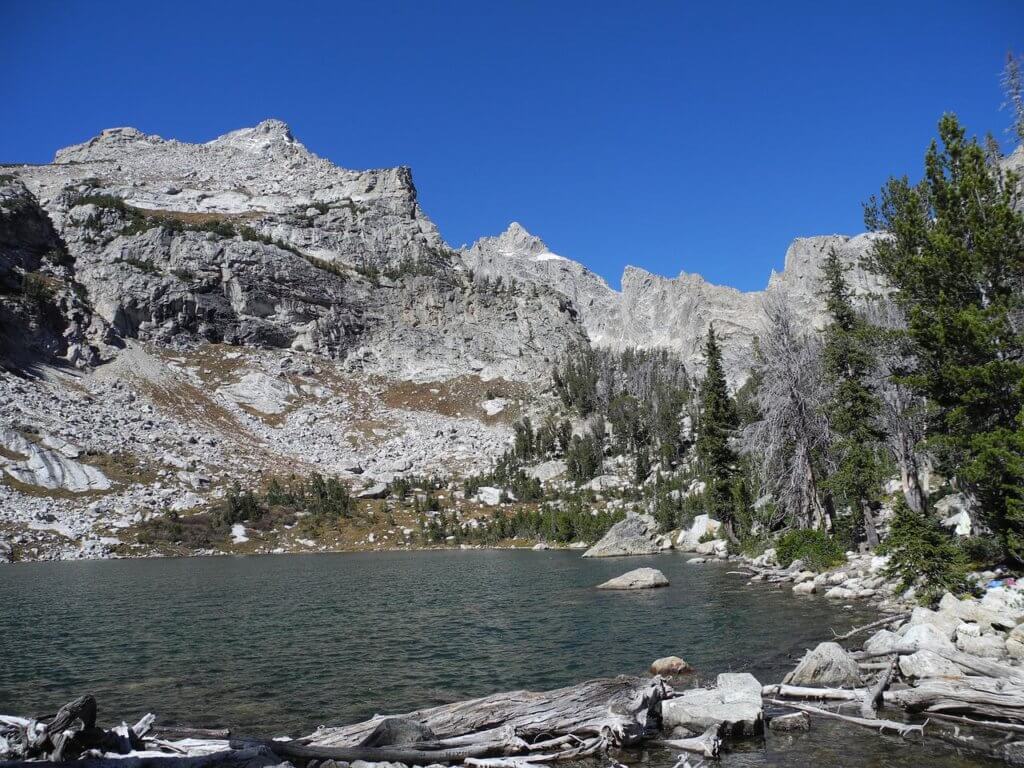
[870, 529]
[622, 709]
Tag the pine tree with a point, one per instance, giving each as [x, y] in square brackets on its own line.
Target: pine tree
[852, 408]
[955, 253]
[717, 423]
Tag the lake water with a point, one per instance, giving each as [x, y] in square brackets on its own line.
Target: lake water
[280, 644]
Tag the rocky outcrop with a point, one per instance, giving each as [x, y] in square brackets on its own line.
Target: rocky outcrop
[639, 578]
[42, 466]
[635, 535]
[252, 239]
[672, 313]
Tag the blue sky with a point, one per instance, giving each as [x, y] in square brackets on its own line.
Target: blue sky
[696, 136]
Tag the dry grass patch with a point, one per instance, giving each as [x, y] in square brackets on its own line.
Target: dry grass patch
[459, 397]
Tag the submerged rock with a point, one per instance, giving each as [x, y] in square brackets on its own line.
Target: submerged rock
[640, 578]
[792, 721]
[828, 665]
[635, 535]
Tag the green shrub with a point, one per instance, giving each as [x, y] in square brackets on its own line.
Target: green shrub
[981, 551]
[923, 555]
[816, 549]
[36, 289]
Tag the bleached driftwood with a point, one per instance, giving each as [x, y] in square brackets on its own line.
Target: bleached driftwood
[873, 625]
[622, 710]
[873, 700]
[708, 743]
[903, 729]
[990, 697]
[814, 694]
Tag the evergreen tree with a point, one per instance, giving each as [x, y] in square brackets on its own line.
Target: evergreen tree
[852, 407]
[717, 423]
[955, 253]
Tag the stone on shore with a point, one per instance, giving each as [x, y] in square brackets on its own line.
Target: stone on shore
[883, 641]
[805, 588]
[634, 535]
[640, 578]
[924, 636]
[734, 706]
[827, 666]
[793, 721]
[925, 664]
[670, 666]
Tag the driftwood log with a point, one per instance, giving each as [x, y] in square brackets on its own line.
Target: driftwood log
[620, 710]
[513, 730]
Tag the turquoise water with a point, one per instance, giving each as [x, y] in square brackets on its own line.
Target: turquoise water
[280, 644]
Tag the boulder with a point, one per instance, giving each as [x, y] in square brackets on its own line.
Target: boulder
[986, 646]
[946, 623]
[716, 547]
[701, 527]
[604, 483]
[734, 706]
[883, 641]
[375, 491]
[793, 721]
[928, 664]
[670, 666]
[827, 666]
[1014, 648]
[805, 588]
[489, 495]
[924, 636]
[839, 593]
[635, 535]
[547, 471]
[640, 578]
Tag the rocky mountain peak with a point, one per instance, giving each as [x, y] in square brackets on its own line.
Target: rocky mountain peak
[260, 138]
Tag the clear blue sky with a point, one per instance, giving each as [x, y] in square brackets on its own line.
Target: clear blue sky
[697, 136]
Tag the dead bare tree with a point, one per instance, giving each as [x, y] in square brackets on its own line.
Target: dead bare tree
[903, 411]
[793, 433]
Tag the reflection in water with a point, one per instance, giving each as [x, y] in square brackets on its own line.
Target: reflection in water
[280, 644]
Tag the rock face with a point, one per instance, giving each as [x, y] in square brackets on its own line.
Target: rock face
[672, 313]
[702, 526]
[634, 535]
[252, 239]
[640, 578]
[734, 706]
[47, 468]
[827, 666]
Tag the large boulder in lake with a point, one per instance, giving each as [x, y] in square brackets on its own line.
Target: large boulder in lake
[827, 666]
[640, 578]
[635, 535]
[733, 706]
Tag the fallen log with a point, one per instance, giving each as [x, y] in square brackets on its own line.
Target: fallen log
[708, 743]
[820, 694]
[623, 710]
[903, 729]
[412, 754]
[873, 625]
[873, 700]
[991, 725]
[966, 661]
[227, 759]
